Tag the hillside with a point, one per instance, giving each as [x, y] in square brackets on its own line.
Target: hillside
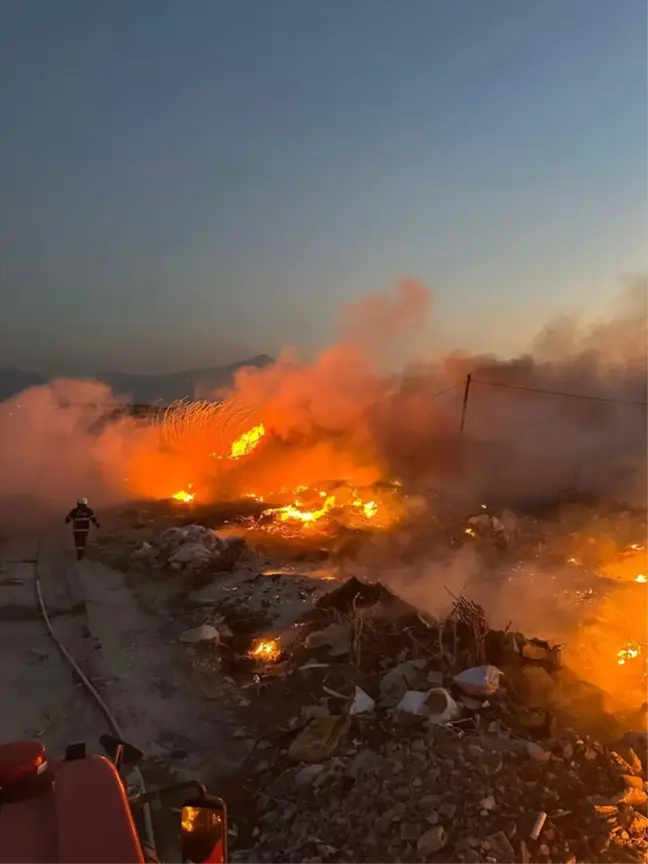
[144, 388]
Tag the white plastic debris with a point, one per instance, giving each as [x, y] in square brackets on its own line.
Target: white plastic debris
[450, 710]
[414, 702]
[203, 633]
[479, 681]
[362, 703]
[436, 704]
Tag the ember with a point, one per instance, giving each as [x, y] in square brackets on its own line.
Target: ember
[266, 650]
[631, 651]
[185, 497]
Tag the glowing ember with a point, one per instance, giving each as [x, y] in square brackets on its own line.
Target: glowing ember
[641, 577]
[631, 651]
[266, 650]
[185, 497]
[247, 442]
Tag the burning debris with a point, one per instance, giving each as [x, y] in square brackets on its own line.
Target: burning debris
[266, 650]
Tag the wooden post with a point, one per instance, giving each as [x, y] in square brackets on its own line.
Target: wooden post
[465, 404]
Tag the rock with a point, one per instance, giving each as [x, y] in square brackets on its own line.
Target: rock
[336, 636]
[433, 840]
[533, 685]
[537, 651]
[488, 803]
[447, 810]
[434, 678]
[203, 633]
[479, 681]
[501, 846]
[395, 683]
[306, 775]
[145, 552]
[366, 762]
[537, 752]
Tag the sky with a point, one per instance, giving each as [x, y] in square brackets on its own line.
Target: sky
[183, 183]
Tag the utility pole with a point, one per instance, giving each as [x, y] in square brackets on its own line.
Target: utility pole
[465, 403]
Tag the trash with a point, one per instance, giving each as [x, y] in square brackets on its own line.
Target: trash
[320, 739]
[203, 633]
[436, 704]
[362, 703]
[479, 681]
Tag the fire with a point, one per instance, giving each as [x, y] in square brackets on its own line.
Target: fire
[266, 650]
[247, 442]
[632, 650]
[185, 497]
[641, 577]
[346, 506]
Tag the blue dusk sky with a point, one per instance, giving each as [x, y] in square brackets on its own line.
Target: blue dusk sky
[184, 182]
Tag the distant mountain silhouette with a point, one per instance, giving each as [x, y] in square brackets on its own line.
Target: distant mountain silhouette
[144, 389]
[14, 381]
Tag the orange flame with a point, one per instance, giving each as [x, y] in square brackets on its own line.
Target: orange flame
[247, 442]
[631, 651]
[184, 497]
[265, 650]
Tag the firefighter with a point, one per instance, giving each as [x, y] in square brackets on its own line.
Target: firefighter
[81, 516]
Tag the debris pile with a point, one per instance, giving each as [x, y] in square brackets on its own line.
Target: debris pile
[427, 740]
[191, 547]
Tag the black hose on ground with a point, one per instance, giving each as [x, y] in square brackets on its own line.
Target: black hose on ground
[114, 726]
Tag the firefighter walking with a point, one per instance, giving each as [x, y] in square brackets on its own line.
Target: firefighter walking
[81, 516]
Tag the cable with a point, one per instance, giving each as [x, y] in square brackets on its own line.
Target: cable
[558, 393]
[146, 810]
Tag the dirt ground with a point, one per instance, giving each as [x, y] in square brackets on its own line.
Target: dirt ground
[174, 701]
[130, 653]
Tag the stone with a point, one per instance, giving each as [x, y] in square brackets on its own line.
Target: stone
[432, 840]
[203, 633]
[501, 845]
[488, 803]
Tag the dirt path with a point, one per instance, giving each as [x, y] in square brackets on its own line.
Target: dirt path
[42, 699]
[131, 655]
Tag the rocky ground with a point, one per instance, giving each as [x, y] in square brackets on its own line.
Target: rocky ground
[332, 716]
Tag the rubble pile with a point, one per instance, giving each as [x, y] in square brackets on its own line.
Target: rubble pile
[191, 547]
[429, 740]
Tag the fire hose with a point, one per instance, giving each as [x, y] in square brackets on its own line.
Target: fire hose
[112, 722]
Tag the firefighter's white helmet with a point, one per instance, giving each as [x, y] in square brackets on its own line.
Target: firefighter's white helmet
[82, 501]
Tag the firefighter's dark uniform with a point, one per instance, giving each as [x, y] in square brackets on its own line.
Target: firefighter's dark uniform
[81, 516]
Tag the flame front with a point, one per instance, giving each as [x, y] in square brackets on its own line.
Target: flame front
[247, 442]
